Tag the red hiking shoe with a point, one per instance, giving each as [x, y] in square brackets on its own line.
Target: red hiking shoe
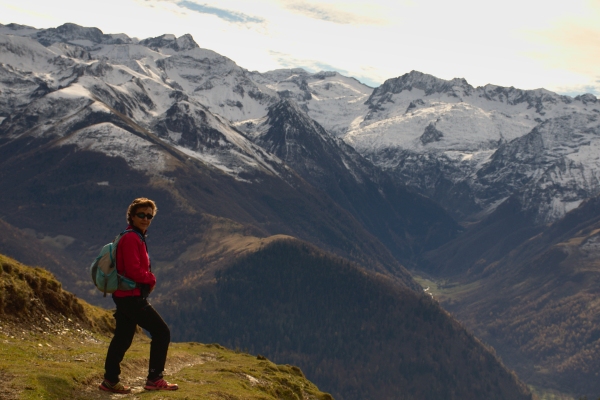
[114, 387]
[160, 384]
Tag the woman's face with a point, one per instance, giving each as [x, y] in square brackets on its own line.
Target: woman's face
[142, 223]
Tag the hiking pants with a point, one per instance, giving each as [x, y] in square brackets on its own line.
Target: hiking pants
[133, 311]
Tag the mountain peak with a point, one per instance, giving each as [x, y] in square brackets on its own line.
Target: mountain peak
[587, 98]
[69, 32]
[170, 41]
[70, 28]
[284, 104]
[18, 27]
[290, 134]
[296, 120]
[457, 87]
[287, 121]
[428, 83]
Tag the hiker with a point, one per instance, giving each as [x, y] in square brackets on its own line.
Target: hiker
[133, 309]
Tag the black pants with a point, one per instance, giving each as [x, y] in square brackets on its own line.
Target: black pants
[133, 311]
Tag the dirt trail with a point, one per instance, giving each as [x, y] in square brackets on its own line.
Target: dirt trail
[134, 375]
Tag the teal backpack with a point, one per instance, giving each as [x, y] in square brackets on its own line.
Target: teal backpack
[104, 269]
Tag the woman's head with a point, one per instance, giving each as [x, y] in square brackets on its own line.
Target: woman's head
[138, 207]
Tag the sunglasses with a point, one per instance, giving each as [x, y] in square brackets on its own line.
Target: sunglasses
[141, 215]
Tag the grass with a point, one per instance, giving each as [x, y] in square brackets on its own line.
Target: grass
[48, 365]
[547, 394]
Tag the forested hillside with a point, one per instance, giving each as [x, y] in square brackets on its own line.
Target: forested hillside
[356, 333]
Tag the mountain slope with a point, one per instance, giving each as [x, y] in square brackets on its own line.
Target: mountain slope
[483, 243]
[53, 191]
[536, 304]
[39, 250]
[355, 333]
[406, 223]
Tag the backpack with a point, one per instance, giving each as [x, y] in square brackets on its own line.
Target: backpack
[104, 269]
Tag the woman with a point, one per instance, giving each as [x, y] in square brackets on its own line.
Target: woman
[133, 309]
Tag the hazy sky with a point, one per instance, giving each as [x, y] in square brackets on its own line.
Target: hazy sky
[528, 44]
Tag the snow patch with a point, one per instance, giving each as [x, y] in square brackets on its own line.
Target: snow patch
[592, 245]
[83, 42]
[207, 158]
[558, 208]
[99, 107]
[116, 142]
[70, 92]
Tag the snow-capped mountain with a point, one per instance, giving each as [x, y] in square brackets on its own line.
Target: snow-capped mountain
[331, 99]
[91, 80]
[439, 137]
[445, 139]
[442, 137]
[471, 148]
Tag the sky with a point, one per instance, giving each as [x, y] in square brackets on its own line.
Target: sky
[528, 44]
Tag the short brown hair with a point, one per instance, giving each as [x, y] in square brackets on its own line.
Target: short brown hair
[140, 202]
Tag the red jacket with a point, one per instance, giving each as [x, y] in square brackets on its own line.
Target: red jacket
[133, 262]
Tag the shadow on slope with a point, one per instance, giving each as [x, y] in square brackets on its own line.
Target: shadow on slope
[489, 240]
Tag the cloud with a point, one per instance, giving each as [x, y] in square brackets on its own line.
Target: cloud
[574, 91]
[570, 46]
[331, 13]
[566, 49]
[229, 16]
[285, 60]
[289, 61]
